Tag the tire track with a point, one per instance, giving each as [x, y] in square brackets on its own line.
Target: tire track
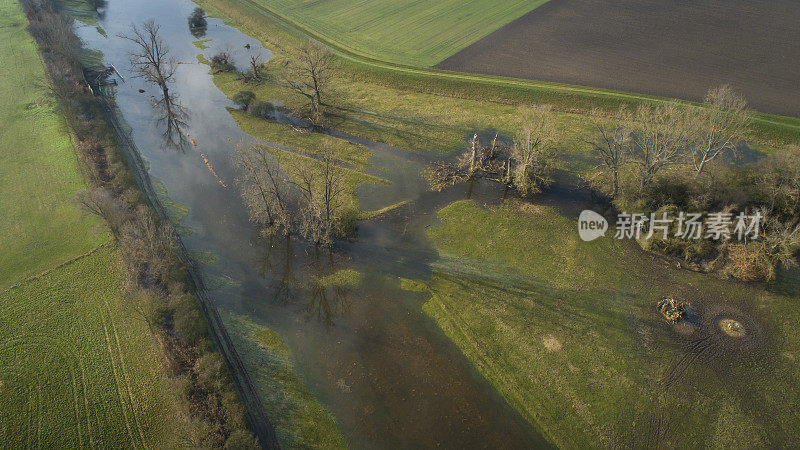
[127, 379]
[116, 379]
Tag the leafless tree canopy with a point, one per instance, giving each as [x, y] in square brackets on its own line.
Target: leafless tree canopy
[611, 146]
[264, 188]
[534, 139]
[151, 58]
[322, 188]
[718, 127]
[308, 72]
[523, 165]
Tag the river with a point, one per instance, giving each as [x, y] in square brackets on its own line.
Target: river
[386, 372]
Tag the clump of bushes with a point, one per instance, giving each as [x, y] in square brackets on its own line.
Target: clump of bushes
[223, 62]
[675, 158]
[243, 99]
[156, 281]
[262, 109]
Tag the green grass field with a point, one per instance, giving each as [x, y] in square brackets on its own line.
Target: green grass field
[568, 332]
[78, 367]
[401, 31]
[40, 169]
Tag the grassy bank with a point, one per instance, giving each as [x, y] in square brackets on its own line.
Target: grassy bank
[40, 169]
[78, 366]
[300, 421]
[279, 33]
[569, 333]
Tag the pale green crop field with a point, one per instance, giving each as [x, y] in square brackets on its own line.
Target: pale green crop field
[78, 366]
[40, 226]
[413, 32]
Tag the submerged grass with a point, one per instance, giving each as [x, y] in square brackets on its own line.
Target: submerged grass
[300, 421]
[568, 332]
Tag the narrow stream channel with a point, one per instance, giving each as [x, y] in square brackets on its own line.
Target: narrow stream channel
[371, 356]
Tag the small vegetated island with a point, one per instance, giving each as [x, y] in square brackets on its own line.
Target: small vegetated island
[394, 231]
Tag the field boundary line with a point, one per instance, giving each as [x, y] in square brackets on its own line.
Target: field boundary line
[355, 56]
[52, 269]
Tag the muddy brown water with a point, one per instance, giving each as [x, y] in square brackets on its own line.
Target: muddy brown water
[384, 370]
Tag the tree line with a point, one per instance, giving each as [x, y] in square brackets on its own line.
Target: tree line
[156, 283]
[676, 157]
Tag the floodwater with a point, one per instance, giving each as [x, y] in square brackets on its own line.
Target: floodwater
[385, 370]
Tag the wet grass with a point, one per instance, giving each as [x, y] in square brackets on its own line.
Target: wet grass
[78, 367]
[568, 332]
[302, 140]
[40, 167]
[300, 420]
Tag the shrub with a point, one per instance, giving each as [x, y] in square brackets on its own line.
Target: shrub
[222, 62]
[261, 109]
[241, 440]
[243, 99]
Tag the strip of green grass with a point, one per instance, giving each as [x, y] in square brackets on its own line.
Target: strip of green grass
[401, 31]
[278, 33]
[78, 367]
[40, 227]
[291, 161]
[568, 332]
[301, 422]
[309, 142]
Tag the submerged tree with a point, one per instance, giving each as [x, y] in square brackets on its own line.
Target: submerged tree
[150, 58]
[322, 185]
[264, 188]
[308, 72]
[198, 23]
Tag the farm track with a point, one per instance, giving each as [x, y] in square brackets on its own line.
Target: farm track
[667, 49]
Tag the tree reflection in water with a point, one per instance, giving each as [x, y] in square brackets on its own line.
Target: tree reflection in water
[304, 283]
[173, 120]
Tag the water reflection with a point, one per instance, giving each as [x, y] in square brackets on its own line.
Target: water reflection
[173, 120]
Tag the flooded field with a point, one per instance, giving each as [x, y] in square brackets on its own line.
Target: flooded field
[573, 326]
[369, 354]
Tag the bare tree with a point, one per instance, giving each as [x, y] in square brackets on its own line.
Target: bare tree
[611, 145]
[264, 188]
[255, 66]
[534, 139]
[322, 186]
[100, 203]
[717, 127]
[151, 58]
[660, 138]
[308, 72]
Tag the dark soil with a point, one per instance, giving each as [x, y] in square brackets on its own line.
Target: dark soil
[661, 47]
